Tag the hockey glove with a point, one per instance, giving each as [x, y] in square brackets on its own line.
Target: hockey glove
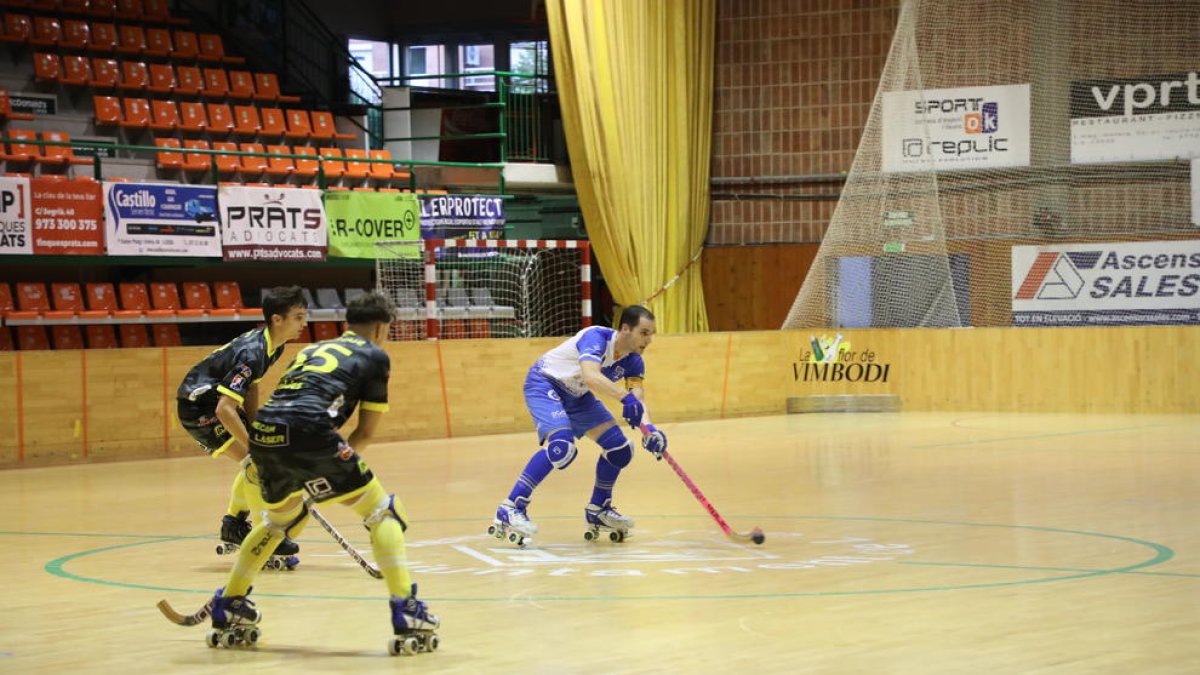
[632, 410]
[654, 441]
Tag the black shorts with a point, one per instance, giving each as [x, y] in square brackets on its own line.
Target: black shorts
[205, 427]
[295, 456]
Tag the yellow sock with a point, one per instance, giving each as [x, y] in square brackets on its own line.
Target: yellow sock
[256, 548]
[387, 543]
[237, 496]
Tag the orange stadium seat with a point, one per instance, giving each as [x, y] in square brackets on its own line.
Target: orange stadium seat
[32, 338]
[162, 78]
[305, 168]
[171, 158]
[186, 47]
[324, 127]
[298, 126]
[213, 49]
[385, 172]
[128, 9]
[60, 154]
[356, 170]
[102, 7]
[266, 88]
[133, 335]
[220, 118]
[17, 28]
[246, 121]
[47, 32]
[47, 67]
[22, 152]
[137, 113]
[164, 297]
[273, 123]
[135, 298]
[166, 334]
[324, 330]
[188, 81]
[106, 73]
[67, 300]
[76, 34]
[228, 295]
[227, 164]
[332, 163]
[251, 165]
[102, 302]
[277, 166]
[158, 42]
[104, 38]
[197, 161]
[197, 297]
[164, 115]
[134, 76]
[241, 84]
[132, 40]
[216, 83]
[6, 299]
[77, 71]
[108, 110]
[100, 337]
[66, 337]
[191, 117]
[6, 340]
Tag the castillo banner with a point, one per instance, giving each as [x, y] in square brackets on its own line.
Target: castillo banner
[67, 217]
[161, 220]
[272, 223]
[359, 219]
[16, 235]
[462, 217]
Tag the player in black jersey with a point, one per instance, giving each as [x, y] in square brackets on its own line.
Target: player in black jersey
[295, 444]
[219, 395]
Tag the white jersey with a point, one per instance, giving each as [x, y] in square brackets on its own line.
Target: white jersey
[597, 343]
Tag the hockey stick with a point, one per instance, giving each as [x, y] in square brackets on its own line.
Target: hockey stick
[337, 536]
[756, 535]
[182, 620]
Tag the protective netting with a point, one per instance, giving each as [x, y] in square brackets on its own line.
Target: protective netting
[1005, 123]
[529, 289]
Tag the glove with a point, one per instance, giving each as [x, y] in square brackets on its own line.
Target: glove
[632, 410]
[654, 441]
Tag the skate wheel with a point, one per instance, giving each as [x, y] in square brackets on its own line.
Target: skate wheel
[589, 535]
[394, 646]
[492, 530]
[220, 550]
[433, 642]
[411, 646]
[213, 638]
[252, 635]
[228, 640]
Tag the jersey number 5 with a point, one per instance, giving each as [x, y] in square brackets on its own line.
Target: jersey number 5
[319, 358]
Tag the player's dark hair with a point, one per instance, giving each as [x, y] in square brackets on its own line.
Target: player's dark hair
[281, 300]
[371, 307]
[632, 315]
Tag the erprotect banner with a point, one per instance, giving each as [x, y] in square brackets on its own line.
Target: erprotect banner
[1113, 284]
[68, 217]
[956, 129]
[272, 223]
[16, 227]
[359, 219]
[161, 220]
[462, 217]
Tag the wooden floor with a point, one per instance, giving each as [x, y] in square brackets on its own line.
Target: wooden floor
[896, 543]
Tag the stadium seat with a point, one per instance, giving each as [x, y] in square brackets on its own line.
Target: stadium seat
[104, 8]
[332, 163]
[17, 28]
[67, 299]
[197, 297]
[305, 168]
[108, 110]
[164, 297]
[32, 302]
[274, 125]
[100, 337]
[324, 330]
[76, 35]
[213, 49]
[133, 335]
[162, 78]
[356, 170]
[134, 76]
[66, 337]
[106, 73]
[60, 154]
[32, 338]
[324, 127]
[6, 300]
[164, 115]
[102, 303]
[188, 81]
[246, 121]
[77, 71]
[132, 40]
[251, 165]
[186, 46]
[227, 164]
[266, 88]
[104, 38]
[128, 9]
[216, 83]
[166, 334]
[158, 42]
[6, 340]
[385, 172]
[228, 295]
[280, 166]
[22, 152]
[136, 114]
[197, 162]
[47, 32]
[135, 298]
[298, 126]
[191, 117]
[241, 84]
[220, 118]
[47, 68]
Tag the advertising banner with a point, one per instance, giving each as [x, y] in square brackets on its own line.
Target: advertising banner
[1134, 120]
[359, 219]
[956, 129]
[67, 217]
[1112, 284]
[462, 217]
[161, 220]
[16, 229]
[272, 223]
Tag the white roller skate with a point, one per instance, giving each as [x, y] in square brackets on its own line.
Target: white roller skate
[234, 621]
[413, 625]
[513, 524]
[234, 530]
[606, 519]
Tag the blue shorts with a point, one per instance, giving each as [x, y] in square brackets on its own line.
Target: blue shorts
[552, 409]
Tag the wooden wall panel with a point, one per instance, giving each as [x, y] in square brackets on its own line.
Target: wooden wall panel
[484, 383]
[53, 406]
[9, 448]
[685, 376]
[753, 287]
[757, 374]
[125, 411]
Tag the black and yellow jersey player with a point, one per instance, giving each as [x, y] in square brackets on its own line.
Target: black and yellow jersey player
[220, 394]
[301, 456]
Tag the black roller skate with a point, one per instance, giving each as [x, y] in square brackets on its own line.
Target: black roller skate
[413, 625]
[233, 532]
[606, 519]
[234, 621]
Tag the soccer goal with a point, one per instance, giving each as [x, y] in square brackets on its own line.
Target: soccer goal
[466, 288]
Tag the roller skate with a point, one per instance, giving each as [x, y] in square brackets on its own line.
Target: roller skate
[233, 532]
[234, 621]
[513, 524]
[606, 519]
[413, 625]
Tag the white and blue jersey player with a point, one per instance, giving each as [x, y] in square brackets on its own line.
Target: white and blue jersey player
[561, 395]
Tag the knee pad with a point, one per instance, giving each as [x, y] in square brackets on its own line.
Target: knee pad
[615, 447]
[285, 527]
[385, 509]
[561, 449]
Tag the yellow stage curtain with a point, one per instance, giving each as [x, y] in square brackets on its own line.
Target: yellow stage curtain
[635, 85]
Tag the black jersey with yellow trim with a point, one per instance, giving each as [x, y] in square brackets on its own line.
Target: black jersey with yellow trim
[327, 380]
[230, 370]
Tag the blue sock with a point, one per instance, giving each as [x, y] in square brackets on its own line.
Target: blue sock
[606, 477]
[535, 471]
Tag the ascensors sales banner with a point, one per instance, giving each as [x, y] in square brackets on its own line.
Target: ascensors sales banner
[1108, 284]
[956, 129]
[272, 223]
[359, 219]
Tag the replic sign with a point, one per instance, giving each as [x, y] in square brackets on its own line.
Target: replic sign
[964, 128]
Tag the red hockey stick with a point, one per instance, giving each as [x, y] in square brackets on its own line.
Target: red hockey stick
[756, 535]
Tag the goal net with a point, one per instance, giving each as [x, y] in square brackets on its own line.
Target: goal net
[458, 288]
[1002, 133]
